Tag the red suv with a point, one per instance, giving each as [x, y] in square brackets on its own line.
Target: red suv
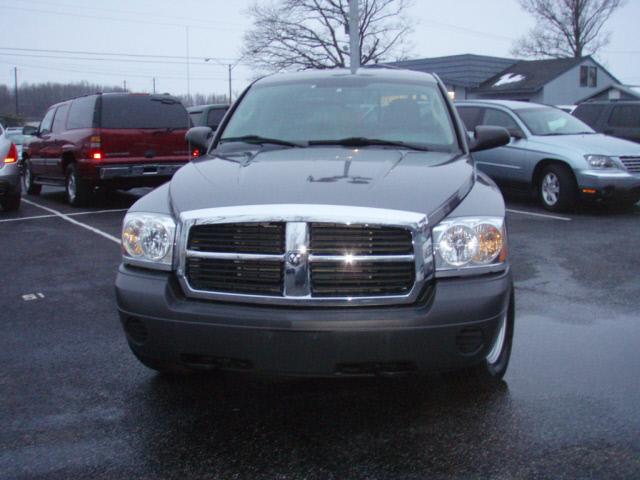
[109, 140]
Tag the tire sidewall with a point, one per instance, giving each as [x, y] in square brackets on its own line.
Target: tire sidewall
[566, 184]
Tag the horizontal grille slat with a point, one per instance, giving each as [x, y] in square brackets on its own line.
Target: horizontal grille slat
[336, 239]
[259, 238]
[631, 163]
[235, 276]
[330, 279]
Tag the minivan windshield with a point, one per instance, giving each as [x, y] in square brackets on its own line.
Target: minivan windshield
[552, 121]
[143, 111]
[345, 110]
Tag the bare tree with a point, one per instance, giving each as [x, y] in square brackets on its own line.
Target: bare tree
[566, 28]
[302, 34]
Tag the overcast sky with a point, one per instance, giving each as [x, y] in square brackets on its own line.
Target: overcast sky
[216, 27]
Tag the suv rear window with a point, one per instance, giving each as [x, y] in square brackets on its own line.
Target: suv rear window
[81, 113]
[625, 116]
[588, 113]
[143, 111]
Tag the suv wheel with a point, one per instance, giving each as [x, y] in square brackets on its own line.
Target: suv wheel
[30, 186]
[11, 203]
[557, 188]
[77, 190]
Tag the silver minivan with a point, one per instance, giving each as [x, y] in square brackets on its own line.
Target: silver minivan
[554, 155]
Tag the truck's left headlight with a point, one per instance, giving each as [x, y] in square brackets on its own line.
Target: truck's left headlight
[469, 245]
[148, 239]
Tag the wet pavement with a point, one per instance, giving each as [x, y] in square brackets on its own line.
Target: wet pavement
[74, 403]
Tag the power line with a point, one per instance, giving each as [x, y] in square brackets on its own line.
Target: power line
[134, 55]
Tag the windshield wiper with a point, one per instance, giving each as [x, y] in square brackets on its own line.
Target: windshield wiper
[363, 142]
[257, 139]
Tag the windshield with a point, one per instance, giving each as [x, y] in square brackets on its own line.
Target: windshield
[333, 109]
[552, 121]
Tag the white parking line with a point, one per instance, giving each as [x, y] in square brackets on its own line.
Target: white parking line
[543, 215]
[35, 217]
[71, 220]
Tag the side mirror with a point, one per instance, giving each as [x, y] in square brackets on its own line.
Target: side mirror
[29, 130]
[199, 137]
[516, 133]
[489, 137]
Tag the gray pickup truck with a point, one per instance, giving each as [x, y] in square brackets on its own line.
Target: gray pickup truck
[336, 226]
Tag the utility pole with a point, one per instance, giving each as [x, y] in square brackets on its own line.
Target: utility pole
[15, 91]
[230, 67]
[188, 70]
[154, 85]
[124, 84]
[354, 36]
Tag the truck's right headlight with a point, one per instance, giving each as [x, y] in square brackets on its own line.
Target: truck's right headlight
[147, 240]
[469, 245]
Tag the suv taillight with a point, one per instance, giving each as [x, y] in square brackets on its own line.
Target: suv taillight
[95, 143]
[12, 155]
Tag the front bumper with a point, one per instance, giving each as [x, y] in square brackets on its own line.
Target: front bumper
[614, 186]
[431, 335]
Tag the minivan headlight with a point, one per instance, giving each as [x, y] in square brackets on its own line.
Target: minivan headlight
[600, 161]
[147, 240]
[469, 244]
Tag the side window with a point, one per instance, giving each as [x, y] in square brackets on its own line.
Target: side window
[60, 119]
[214, 117]
[45, 125]
[625, 116]
[496, 118]
[470, 117]
[195, 118]
[588, 113]
[81, 113]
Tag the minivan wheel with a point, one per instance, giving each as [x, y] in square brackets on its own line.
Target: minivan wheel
[27, 179]
[557, 188]
[77, 190]
[490, 371]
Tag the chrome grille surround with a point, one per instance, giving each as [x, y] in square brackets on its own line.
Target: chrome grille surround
[296, 259]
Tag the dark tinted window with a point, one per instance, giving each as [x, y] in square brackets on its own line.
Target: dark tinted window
[215, 117]
[45, 125]
[470, 117]
[496, 118]
[142, 111]
[625, 116]
[588, 113]
[81, 113]
[60, 118]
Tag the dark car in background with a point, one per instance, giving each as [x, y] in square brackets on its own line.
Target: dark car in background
[207, 115]
[618, 118]
[336, 226]
[109, 140]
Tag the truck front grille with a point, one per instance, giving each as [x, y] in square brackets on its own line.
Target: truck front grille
[235, 276]
[631, 163]
[283, 256]
[331, 279]
[333, 239]
[238, 238]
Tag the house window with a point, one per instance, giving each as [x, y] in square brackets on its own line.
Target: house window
[588, 76]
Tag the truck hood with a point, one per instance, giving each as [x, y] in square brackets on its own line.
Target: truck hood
[432, 183]
[597, 144]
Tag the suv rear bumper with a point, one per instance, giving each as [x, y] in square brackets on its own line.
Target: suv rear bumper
[138, 171]
[162, 324]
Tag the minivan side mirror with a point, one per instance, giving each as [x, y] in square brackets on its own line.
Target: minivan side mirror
[199, 137]
[487, 137]
[29, 130]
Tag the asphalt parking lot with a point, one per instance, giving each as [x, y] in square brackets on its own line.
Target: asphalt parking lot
[75, 403]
